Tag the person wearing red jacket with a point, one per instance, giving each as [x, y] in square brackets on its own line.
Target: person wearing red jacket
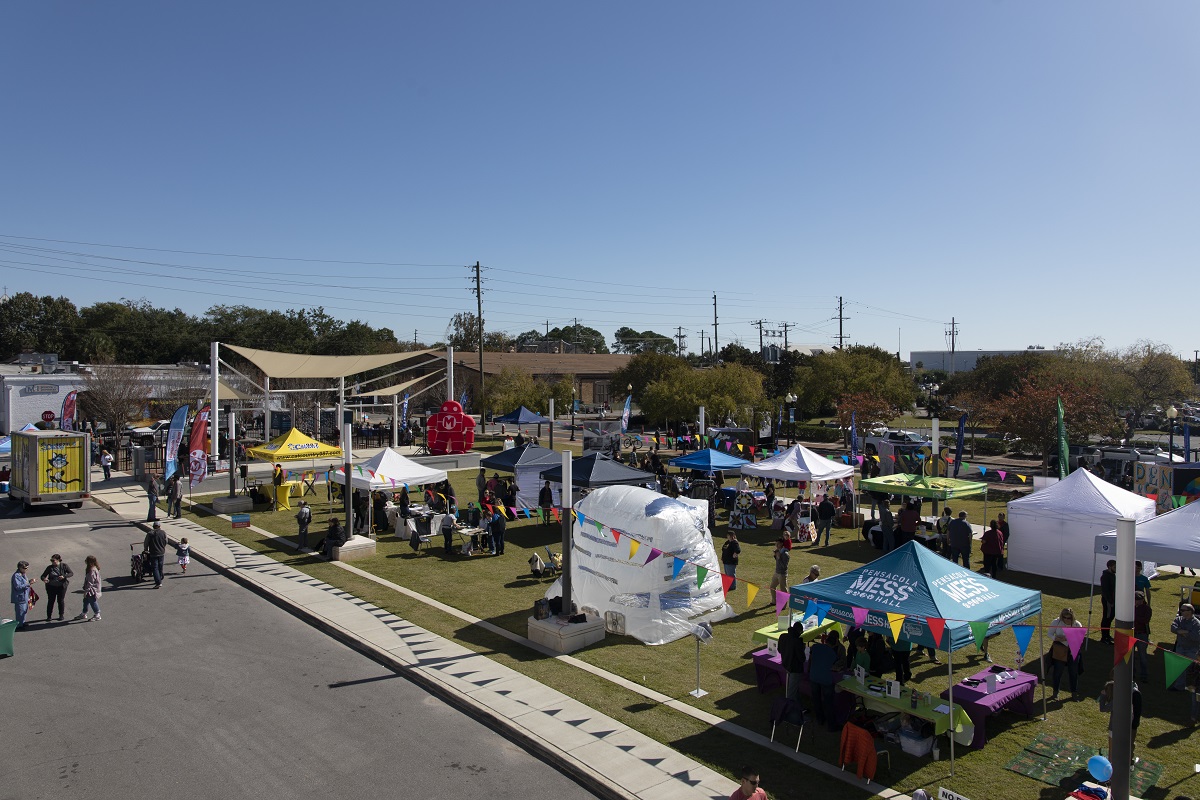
[992, 547]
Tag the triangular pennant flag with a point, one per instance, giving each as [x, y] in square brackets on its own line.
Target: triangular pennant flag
[1075, 637]
[634, 544]
[1002, 474]
[654, 553]
[616, 536]
[1024, 634]
[357, 467]
[554, 513]
[527, 514]
[679, 562]
[701, 574]
[751, 591]
[858, 460]
[599, 526]
[893, 458]
[726, 582]
[845, 459]
[1179, 500]
[895, 622]
[819, 610]
[983, 470]
[580, 518]
[860, 616]
[1123, 646]
[512, 511]
[979, 631]
[1174, 665]
[936, 626]
[781, 599]
[751, 451]
[966, 466]
[1023, 478]
[741, 448]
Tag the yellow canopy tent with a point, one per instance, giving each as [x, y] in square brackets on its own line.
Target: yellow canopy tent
[293, 446]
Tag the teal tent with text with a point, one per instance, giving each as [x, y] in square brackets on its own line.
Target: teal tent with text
[917, 582]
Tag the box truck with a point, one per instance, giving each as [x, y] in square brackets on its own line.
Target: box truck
[51, 468]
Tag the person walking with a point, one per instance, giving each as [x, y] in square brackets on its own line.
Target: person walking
[106, 462]
[1187, 640]
[992, 547]
[183, 555]
[175, 497]
[1108, 600]
[152, 496]
[1060, 652]
[22, 593]
[56, 577]
[729, 557]
[826, 511]
[91, 590]
[303, 518]
[545, 502]
[481, 483]
[779, 580]
[960, 534]
[155, 544]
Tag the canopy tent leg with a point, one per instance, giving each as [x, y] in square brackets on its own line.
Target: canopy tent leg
[950, 673]
[1042, 652]
[1091, 598]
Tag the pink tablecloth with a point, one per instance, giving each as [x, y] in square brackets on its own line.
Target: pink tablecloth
[1014, 694]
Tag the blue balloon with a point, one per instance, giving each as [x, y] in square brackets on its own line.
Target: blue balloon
[1100, 768]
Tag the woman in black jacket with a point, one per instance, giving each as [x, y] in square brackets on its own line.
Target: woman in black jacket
[56, 577]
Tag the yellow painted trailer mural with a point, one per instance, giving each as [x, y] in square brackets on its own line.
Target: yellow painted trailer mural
[51, 468]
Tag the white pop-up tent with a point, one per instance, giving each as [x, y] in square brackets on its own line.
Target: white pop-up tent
[798, 463]
[1053, 530]
[388, 470]
[657, 602]
[1171, 538]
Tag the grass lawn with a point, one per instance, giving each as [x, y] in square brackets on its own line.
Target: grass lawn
[502, 591]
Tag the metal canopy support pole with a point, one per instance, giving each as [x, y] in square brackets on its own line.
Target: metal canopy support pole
[935, 464]
[347, 465]
[395, 420]
[213, 384]
[267, 408]
[950, 671]
[1042, 650]
[232, 451]
[567, 496]
[449, 372]
[1122, 709]
[551, 423]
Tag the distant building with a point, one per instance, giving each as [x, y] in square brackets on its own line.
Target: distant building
[593, 372]
[961, 360]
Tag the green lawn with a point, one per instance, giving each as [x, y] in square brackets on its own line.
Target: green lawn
[502, 591]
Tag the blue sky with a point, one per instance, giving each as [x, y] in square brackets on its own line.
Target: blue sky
[1027, 168]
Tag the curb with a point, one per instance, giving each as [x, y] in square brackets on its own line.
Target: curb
[580, 773]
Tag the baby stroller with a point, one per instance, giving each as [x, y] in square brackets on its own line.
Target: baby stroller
[139, 562]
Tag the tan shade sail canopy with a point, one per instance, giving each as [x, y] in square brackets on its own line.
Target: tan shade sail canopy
[298, 365]
[227, 392]
[391, 390]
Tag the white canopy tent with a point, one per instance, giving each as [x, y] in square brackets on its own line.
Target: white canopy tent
[1172, 538]
[798, 463]
[388, 470]
[1052, 529]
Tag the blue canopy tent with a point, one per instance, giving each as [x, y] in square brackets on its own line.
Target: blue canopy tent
[707, 461]
[5, 445]
[523, 416]
[914, 581]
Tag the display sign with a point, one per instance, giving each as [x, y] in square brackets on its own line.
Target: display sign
[240, 520]
[946, 794]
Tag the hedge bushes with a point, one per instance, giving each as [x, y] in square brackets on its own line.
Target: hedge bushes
[815, 433]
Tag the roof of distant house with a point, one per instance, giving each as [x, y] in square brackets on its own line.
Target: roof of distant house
[543, 363]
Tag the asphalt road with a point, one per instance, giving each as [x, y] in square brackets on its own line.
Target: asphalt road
[202, 689]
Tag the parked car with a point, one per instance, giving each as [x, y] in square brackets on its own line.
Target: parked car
[147, 435]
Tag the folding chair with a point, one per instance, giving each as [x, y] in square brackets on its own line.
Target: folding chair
[788, 711]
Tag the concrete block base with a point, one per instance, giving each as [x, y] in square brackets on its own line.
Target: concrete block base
[232, 505]
[357, 547]
[563, 637]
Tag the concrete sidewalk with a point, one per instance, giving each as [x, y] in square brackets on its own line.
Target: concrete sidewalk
[606, 756]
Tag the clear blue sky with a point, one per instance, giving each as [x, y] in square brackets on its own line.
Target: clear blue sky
[1028, 168]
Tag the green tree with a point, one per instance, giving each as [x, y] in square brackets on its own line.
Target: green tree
[852, 370]
[641, 371]
[728, 390]
[1153, 374]
[627, 340]
[41, 324]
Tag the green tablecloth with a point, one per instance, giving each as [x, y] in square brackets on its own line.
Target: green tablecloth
[964, 729]
[762, 635]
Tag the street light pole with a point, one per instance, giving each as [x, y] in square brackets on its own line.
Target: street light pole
[1172, 413]
[572, 411]
[791, 399]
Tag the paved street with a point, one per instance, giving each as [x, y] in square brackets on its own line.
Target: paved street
[203, 689]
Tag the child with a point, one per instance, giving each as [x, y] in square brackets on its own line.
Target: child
[91, 589]
[184, 551]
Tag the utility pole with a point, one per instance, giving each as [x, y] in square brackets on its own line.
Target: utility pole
[576, 344]
[679, 340]
[716, 341]
[414, 338]
[760, 323]
[952, 333]
[785, 326]
[479, 316]
[841, 319]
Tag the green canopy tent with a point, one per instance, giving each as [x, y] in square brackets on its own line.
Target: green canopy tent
[925, 486]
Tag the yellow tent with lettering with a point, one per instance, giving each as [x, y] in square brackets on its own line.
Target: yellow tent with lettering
[293, 446]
